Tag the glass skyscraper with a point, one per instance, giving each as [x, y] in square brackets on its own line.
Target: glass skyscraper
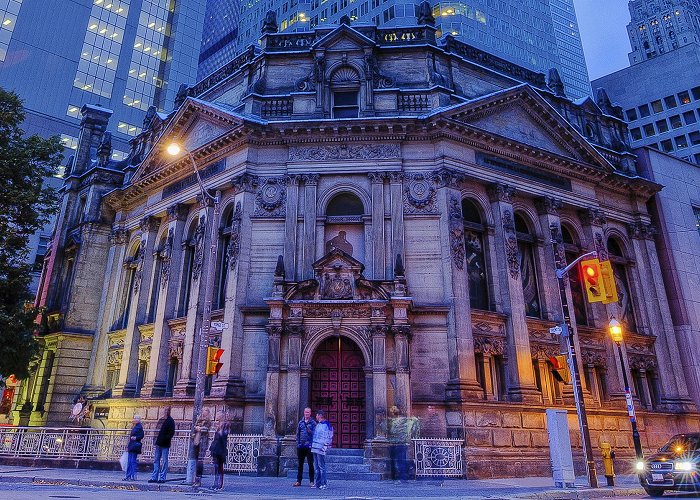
[536, 34]
[121, 54]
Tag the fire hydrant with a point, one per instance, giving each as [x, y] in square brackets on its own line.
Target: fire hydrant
[608, 457]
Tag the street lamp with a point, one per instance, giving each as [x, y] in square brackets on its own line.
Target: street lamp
[174, 149]
[615, 329]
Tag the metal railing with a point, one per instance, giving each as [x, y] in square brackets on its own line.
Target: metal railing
[438, 457]
[107, 445]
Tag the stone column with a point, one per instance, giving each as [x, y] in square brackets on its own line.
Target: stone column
[489, 377]
[674, 387]
[377, 258]
[519, 372]
[128, 371]
[310, 214]
[294, 333]
[169, 281]
[397, 225]
[229, 383]
[290, 227]
[463, 384]
[272, 383]
[402, 395]
[379, 383]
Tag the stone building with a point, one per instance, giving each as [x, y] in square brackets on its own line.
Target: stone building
[388, 207]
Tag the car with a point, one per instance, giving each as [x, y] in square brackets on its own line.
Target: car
[675, 467]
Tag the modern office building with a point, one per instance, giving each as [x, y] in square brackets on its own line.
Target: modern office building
[219, 35]
[660, 90]
[535, 34]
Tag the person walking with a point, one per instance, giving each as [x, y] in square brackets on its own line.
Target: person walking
[219, 453]
[323, 437]
[162, 448]
[134, 448]
[199, 441]
[305, 437]
[401, 430]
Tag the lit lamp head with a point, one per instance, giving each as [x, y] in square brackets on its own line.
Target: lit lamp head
[615, 330]
[174, 149]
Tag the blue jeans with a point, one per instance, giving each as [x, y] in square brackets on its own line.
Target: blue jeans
[159, 471]
[320, 469]
[131, 466]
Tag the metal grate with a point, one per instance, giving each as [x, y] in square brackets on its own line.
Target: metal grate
[438, 457]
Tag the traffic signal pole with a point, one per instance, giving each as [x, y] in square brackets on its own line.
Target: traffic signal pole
[562, 270]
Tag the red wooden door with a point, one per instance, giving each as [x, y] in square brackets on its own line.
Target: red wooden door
[338, 388]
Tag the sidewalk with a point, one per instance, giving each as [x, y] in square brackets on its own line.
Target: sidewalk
[274, 487]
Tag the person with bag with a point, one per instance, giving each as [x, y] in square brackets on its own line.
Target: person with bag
[162, 448]
[323, 437]
[219, 453]
[134, 448]
[305, 437]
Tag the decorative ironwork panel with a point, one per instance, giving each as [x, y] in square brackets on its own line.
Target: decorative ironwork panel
[243, 452]
[438, 457]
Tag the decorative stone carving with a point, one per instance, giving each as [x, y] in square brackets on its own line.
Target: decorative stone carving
[149, 224]
[139, 259]
[119, 236]
[647, 363]
[198, 248]
[446, 177]
[596, 358]
[592, 217]
[558, 244]
[175, 346]
[234, 245]
[377, 177]
[336, 287]
[245, 183]
[373, 74]
[456, 225]
[544, 351]
[114, 357]
[310, 179]
[345, 152]
[314, 77]
[548, 205]
[166, 256]
[144, 353]
[489, 346]
[177, 211]
[501, 192]
[271, 197]
[419, 194]
[641, 230]
[511, 244]
[354, 311]
[600, 246]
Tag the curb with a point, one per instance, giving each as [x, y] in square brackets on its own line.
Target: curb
[114, 485]
[584, 493]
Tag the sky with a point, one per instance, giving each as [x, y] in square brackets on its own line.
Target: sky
[603, 28]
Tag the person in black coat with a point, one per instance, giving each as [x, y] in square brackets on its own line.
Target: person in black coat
[219, 452]
[162, 448]
[134, 448]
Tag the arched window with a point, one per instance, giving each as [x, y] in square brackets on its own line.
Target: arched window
[476, 262]
[127, 289]
[528, 270]
[345, 93]
[571, 249]
[625, 310]
[345, 226]
[187, 267]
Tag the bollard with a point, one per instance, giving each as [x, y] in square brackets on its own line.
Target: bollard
[608, 457]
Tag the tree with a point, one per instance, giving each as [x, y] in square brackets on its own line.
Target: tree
[26, 205]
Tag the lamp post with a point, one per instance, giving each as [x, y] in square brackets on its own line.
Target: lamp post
[615, 329]
[175, 149]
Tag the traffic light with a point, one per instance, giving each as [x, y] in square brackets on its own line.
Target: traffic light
[592, 280]
[213, 364]
[606, 273]
[560, 368]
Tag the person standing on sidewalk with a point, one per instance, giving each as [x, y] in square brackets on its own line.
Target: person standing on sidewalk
[134, 448]
[199, 441]
[323, 437]
[162, 448]
[305, 437]
[219, 453]
[401, 430]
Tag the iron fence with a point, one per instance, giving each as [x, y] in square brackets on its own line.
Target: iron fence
[438, 457]
[108, 445]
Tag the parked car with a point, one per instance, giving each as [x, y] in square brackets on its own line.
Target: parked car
[675, 467]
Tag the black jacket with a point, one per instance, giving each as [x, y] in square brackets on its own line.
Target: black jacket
[166, 433]
[134, 445]
[219, 445]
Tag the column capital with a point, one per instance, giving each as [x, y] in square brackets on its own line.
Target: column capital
[446, 177]
[456, 225]
[641, 230]
[177, 211]
[377, 177]
[548, 205]
[592, 217]
[149, 224]
[311, 179]
[501, 192]
[119, 235]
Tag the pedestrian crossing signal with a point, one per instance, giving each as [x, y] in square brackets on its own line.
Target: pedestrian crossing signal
[560, 368]
[213, 360]
[606, 274]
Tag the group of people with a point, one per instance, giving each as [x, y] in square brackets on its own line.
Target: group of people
[218, 448]
[314, 437]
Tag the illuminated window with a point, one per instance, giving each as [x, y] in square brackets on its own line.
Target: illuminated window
[145, 81]
[100, 53]
[9, 10]
[69, 141]
[73, 111]
[128, 129]
[119, 155]
[696, 211]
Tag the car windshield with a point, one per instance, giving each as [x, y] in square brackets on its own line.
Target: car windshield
[682, 444]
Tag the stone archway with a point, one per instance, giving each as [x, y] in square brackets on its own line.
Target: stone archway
[338, 388]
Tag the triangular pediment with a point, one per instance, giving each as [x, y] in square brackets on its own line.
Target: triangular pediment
[338, 259]
[344, 38]
[196, 124]
[521, 115]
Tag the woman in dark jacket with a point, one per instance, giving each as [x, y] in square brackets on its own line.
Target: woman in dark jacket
[219, 452]
[134, 448]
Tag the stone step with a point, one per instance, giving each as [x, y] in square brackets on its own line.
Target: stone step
[341, 459]
[345, 452]
[350, 468]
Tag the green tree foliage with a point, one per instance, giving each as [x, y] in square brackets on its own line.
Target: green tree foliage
[26, 205]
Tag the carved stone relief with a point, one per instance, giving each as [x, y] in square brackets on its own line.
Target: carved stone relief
[419, 195]
[198, 248]
[114, 357]
[345, 152]
[456, 225]
[511, 244]
[234, 246]
[270, 198]
[140, 256]
[489, 346]
[118, 236]
[166, 257]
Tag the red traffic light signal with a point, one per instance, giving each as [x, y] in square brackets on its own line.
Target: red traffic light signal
[592, 280]
[213, 360]
[560, 368]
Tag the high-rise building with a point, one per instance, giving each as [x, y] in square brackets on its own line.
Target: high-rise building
[122, 54]
[536, 34]
[660, 91]
[218, 35]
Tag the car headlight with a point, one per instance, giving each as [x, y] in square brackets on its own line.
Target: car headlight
[684, 466]
[641, 465]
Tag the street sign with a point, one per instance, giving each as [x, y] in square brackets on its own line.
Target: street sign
[218, 325]
[556, 330]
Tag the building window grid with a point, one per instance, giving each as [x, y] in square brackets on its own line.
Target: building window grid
[9, 10]
[100, 52]
[146, 71]
[73, 111]
[128, 129]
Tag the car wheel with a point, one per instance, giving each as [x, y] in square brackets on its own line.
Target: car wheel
[654, 492]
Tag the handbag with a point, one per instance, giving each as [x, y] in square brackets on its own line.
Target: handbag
[124, 460]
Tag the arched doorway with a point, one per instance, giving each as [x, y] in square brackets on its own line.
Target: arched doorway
[338, 388]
